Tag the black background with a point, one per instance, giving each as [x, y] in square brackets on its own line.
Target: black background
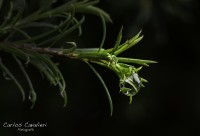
[168, 105]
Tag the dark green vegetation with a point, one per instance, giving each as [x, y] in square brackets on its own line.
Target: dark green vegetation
[54, 24]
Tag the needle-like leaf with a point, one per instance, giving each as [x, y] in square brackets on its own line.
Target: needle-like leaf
[32, 92]
[105, 87]
[104, 31]
[7, 71]
[8, 17]
[128, 44]
[135, 61]
[119, 38]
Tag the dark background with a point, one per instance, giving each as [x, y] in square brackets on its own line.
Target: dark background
[169, 105]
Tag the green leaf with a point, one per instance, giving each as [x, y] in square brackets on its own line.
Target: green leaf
[40, 36]
[71, 29]
[104, 31]
[6, 70]
[42, 62]
[119, 37]
[45, 65]
[94, 11]
[135, 61]
[130, 101]
[22, 32]
[105, 87]
[128, 44]
[8, 17]
[32, 97]
[32, 93]
[18, 16]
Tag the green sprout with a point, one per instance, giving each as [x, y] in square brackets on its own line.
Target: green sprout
[38, 50]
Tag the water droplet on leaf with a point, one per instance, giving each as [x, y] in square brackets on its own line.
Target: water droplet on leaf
[63, 93]
[32, 97]
[131, 85]
[136, 80]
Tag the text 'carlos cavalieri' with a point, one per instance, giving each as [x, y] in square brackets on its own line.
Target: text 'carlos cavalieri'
[25, 127]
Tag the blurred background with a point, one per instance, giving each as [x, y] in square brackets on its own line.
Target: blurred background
[169, 105]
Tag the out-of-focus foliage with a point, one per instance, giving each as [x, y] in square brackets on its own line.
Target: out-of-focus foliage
[154, 13]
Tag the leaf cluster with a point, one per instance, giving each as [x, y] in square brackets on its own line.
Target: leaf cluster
[17, 38]
[16, 32]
